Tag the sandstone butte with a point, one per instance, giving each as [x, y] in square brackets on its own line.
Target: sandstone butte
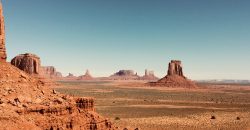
[27, 103]
[149, 75]
[31, 64]
[175, 77]
[86, 76]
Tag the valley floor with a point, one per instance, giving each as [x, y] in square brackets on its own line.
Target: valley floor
[224, 107]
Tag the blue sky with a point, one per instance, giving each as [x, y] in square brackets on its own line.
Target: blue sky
[211, 37]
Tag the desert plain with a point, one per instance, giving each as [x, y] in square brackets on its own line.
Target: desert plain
[131, 104]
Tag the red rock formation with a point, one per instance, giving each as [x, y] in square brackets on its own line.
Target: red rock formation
[149, 75]
[3, 55]
[26, 103]
[86, 76]
[50, 72]
[175, 77]
[124, 75]
[29, 63]
[175, 68]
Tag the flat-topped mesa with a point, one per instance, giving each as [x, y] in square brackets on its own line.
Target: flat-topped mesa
[175, 68]
[29, 63]
[124, 75]
[3, 55]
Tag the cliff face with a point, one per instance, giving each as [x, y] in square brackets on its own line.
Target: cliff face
[49, 72]
[175, 68]
[29, 63]
[3, 55]
[175, 77]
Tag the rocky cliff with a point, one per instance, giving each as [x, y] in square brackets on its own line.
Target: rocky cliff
[29, 63]
[49, 72]
[3, 55]
[26, 103]
[175, 77]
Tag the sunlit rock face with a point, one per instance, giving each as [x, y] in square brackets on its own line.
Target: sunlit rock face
[3, 55]
[29, 63]
[175, 77]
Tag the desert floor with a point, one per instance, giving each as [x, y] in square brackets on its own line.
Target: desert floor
[152, 108]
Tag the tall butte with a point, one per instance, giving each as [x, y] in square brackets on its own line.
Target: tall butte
[175, 77]
[3, 55]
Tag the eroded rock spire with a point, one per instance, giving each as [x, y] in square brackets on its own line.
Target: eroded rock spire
[3, 55]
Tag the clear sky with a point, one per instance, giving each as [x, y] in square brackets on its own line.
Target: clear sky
[211, 37]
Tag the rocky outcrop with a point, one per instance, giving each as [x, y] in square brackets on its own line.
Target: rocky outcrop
[29, 63]
[149, 75]
[86, 76]
[124, 75]
[27, 103]
[175, 68]
[3, 55]
[50, 72]
[175, 77]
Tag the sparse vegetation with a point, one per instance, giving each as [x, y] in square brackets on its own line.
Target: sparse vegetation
[156, 108]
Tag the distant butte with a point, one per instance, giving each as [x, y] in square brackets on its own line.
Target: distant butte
[149, 75]
[86, 76]
[31, 64]
[175, 77]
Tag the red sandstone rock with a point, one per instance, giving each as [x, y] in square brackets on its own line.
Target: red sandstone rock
[3, 55]
[175, 77]
[28, 103]
[49, 72]
[124, 75]
[86, 76]
[175, 68]
[149, 75]
[29, 63]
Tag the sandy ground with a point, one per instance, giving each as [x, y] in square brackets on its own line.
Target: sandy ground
[134, 105]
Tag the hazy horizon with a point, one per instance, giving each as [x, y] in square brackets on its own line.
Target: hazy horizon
[211, 38]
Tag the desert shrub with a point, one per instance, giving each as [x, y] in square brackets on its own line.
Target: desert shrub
[117, 118]
[213, 117]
